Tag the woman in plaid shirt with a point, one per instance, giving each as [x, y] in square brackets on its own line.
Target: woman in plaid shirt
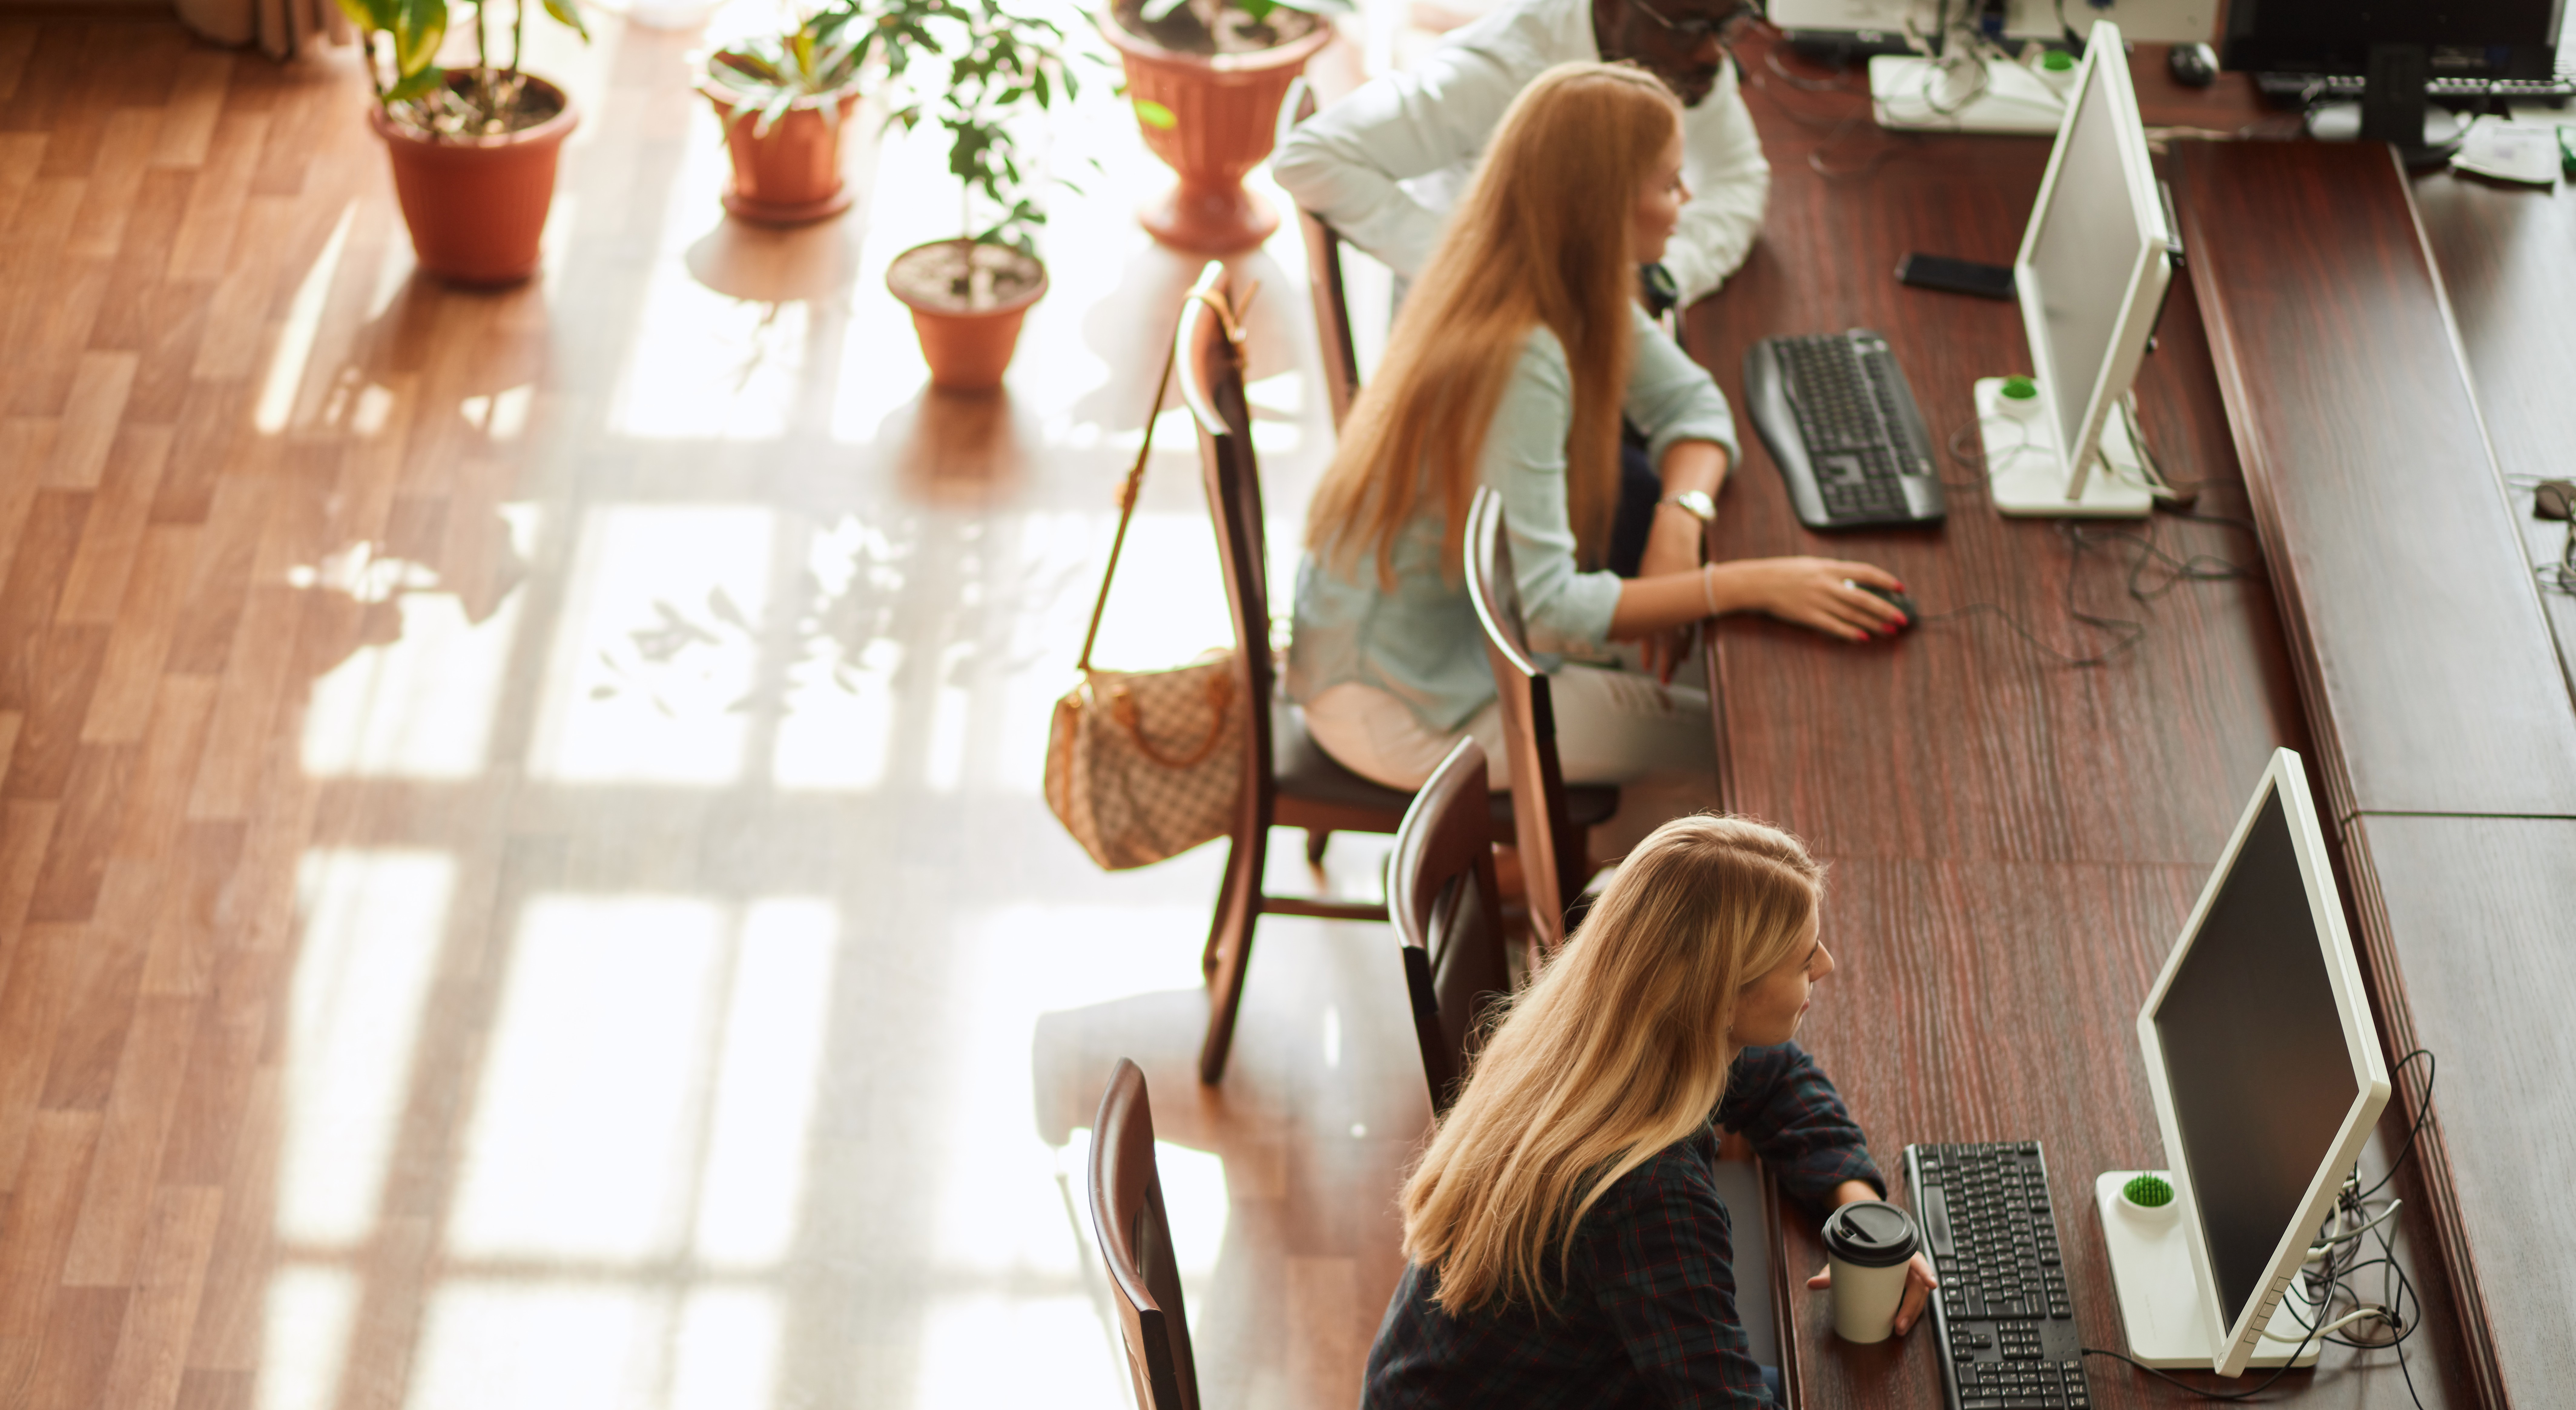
[1565, 1238]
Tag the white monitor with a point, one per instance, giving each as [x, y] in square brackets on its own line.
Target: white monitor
[2267, 1075]
[2091, 277]
[2155, 21]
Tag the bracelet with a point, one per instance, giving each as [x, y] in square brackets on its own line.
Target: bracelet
[1708, 593]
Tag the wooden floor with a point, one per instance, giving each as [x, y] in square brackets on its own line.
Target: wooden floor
[522, 879]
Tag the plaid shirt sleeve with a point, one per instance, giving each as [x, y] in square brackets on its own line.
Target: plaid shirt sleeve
[1785, 1105]
[1663, 1277]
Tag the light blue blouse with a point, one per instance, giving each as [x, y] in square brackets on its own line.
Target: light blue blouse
[1419, 640]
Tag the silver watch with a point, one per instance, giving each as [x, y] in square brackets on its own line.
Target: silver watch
[1694, 503]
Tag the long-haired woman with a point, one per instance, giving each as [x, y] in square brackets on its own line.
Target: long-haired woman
[1565, 1239]
[1510, 366]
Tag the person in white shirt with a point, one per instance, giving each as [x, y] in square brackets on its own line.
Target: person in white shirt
[1382, 165]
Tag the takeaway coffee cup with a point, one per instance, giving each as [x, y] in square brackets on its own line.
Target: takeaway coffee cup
[1867, 1245]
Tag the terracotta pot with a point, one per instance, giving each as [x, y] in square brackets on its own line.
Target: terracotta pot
[477, 205]
[1226, 115]
[792, 174]
[968, 349]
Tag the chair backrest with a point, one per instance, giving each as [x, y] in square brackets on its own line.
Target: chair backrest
[1324, 282]
[1208, 362]
[1449, 914]
[1136, 1243]
[1552, 855]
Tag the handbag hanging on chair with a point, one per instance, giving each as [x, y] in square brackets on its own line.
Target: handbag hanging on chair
[1143, 765]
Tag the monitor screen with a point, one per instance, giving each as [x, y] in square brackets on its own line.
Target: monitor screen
[2468, 38]
[2252, 1033]
[2087, 245]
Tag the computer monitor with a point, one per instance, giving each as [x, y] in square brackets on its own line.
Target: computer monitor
[2396, 47]
[2267, 1076]
[2094, 265]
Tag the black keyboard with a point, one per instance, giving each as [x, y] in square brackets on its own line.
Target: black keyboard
[1835, 413]
[2003, 1318]
[2298, 89]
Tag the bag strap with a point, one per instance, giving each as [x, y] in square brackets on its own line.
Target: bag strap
[1228, 318]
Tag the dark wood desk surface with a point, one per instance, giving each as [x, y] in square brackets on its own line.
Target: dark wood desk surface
[2425, 650]
[2014, 841]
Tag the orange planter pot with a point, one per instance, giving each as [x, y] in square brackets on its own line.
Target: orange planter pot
[968, 349]
[792, 174]
[477, 205]
[1226, 116]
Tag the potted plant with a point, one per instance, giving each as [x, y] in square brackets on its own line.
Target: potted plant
[1207, 78]
[968, 293]
[473, 150]
[783, 103]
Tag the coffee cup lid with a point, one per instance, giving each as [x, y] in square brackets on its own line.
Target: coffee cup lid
[1871, 1233]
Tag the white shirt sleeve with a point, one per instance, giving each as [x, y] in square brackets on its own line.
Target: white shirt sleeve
[1730, 184]
[1345, 162]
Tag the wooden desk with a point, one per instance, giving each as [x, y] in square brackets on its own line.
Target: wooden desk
[2014, 841]
[2425, 657]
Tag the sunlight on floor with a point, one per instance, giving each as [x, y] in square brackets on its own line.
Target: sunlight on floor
[659, 645]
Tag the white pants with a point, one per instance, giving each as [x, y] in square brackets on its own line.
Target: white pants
[1612, 726]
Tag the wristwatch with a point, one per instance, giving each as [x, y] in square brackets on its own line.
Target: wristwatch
[1694, 503]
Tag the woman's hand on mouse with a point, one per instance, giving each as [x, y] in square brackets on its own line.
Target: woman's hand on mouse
[1919, 1284]
[1815, 592]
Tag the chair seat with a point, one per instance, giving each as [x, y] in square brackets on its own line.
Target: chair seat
[1303, 770]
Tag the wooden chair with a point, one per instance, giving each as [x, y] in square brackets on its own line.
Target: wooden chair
[1136, 1242]
[1440, 892]
[1288, 780]
[1548, 819]
[1324, 281]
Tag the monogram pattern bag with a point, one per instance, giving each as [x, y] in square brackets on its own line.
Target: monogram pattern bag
[1143, 765]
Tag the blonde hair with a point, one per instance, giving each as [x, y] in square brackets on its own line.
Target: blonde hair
[1620, 1048]
[1542, 238]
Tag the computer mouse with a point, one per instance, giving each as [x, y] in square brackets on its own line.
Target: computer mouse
[1895, 599]
[2193, 65]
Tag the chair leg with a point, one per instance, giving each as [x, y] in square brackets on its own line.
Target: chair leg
[1316, 837]
[1230, 948]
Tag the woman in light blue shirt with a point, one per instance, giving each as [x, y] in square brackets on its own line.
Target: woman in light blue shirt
[1510, 366]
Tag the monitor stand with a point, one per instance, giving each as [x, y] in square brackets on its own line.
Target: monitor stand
[1966, 93]
[2026, 473]
[2160, 1293]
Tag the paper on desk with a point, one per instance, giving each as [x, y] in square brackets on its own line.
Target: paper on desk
[2510, 151]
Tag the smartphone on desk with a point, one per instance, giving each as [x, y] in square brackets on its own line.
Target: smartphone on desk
[1956, 276]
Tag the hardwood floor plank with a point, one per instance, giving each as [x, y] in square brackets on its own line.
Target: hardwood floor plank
[96, 800]
[196, 102]
[151, 1354]
[90, 416]
[211, 417]
[111, 545]
[98, 1009]
[131, 680]
[44, 970]
[152, 214]
[238, 737]
[51, 536]
[26, 831]
[21, 153]
[229, 1315]
[24, 440]
[34, 1234]
[239, 334]
[204, 1139]
[50, 334]
[201, 1389]
[81, 1334]
[109, 1246]
[125, 148]
[62, 666]
[17, 41]
[203, 635]
[168, 320]
[203, 248]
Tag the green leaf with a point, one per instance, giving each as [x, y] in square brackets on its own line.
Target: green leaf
[568, 14]
[369, 15]
[1156, 11]
[751, 66]
[1155, 115]
[417, 85]
[418, 27]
